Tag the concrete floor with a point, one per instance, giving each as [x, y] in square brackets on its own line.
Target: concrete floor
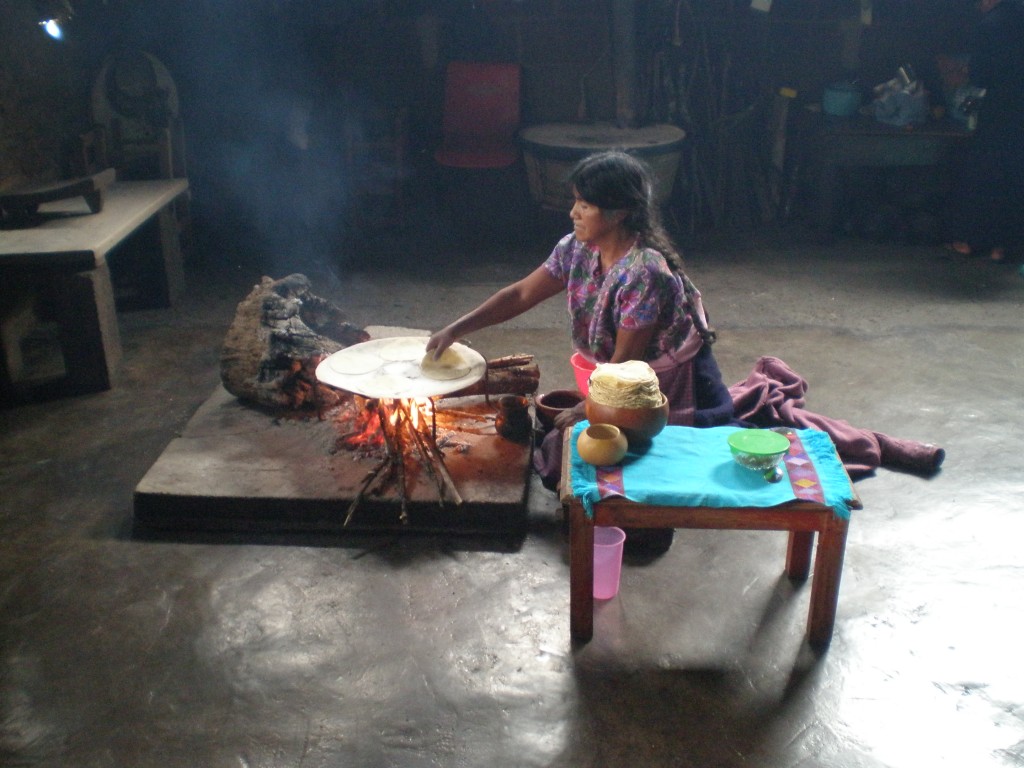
[419, 651]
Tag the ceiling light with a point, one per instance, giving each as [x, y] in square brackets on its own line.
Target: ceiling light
[53, 16]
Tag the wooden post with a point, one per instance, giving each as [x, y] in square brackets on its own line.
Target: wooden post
[581, 573]
[798, 554]
[828, 570]
[624, 61]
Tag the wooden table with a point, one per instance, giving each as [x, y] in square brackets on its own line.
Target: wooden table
[836, 143]
[59, 270]
[802, 519]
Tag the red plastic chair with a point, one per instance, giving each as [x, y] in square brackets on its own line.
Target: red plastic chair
[481, 115]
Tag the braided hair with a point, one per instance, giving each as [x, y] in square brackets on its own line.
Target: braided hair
[615, 180]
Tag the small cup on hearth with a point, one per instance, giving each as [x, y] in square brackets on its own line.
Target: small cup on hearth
[513, 420]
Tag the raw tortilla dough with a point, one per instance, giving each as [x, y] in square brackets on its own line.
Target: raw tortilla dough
[354, 362]
[402, 349]
[451, 365]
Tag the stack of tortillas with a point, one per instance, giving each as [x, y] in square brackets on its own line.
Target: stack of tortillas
[632, 384]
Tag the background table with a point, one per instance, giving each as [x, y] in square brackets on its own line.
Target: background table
[60, 269]
[831, 144]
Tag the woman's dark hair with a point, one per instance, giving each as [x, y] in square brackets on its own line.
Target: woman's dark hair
[618, 181]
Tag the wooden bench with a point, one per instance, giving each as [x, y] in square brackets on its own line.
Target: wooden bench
[58, 272]
[802, 519]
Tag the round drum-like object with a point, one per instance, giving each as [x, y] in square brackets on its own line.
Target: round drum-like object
[390, 369]
[551, 150]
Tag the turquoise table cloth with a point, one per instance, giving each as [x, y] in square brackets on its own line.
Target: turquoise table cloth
[689, 467]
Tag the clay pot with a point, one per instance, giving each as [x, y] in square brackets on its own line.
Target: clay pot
[638, 424]
[513, 420]
[552, 403]
[602, 445]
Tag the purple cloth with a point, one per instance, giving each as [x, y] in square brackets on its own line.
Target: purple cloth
[773, 395]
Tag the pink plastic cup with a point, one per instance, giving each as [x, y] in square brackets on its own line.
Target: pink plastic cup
[608, 544]
[582, 368]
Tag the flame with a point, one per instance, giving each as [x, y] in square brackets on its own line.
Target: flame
[366, 431]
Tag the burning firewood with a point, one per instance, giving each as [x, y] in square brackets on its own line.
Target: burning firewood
[400, 427]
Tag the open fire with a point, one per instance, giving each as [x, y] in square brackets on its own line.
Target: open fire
[405, 430]
[401, 431]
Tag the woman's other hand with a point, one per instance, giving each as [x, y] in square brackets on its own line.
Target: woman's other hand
[570, 416]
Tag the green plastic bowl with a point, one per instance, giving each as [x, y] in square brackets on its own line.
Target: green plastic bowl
[759, 449]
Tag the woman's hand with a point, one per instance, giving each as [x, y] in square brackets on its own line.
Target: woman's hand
[570, 416]
[440, 341]
[506, 303]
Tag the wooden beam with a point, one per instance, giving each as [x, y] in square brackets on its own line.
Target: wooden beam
[624, 61]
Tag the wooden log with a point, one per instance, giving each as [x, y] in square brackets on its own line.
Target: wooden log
[436, 466]
[508, 361]
[372, 478]
[514, 379]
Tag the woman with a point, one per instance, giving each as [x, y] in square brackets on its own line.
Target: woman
[628, 296]
[984, 210]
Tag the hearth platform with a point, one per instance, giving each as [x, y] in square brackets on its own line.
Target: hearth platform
[236, 468]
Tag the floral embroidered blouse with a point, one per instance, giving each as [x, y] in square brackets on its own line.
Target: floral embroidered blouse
[640, 290]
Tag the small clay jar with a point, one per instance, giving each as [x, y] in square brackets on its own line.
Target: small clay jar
[602, 445]
[639, 424]
[513, 421]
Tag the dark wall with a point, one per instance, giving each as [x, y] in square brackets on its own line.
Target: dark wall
[43, 95]
[252, 73]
